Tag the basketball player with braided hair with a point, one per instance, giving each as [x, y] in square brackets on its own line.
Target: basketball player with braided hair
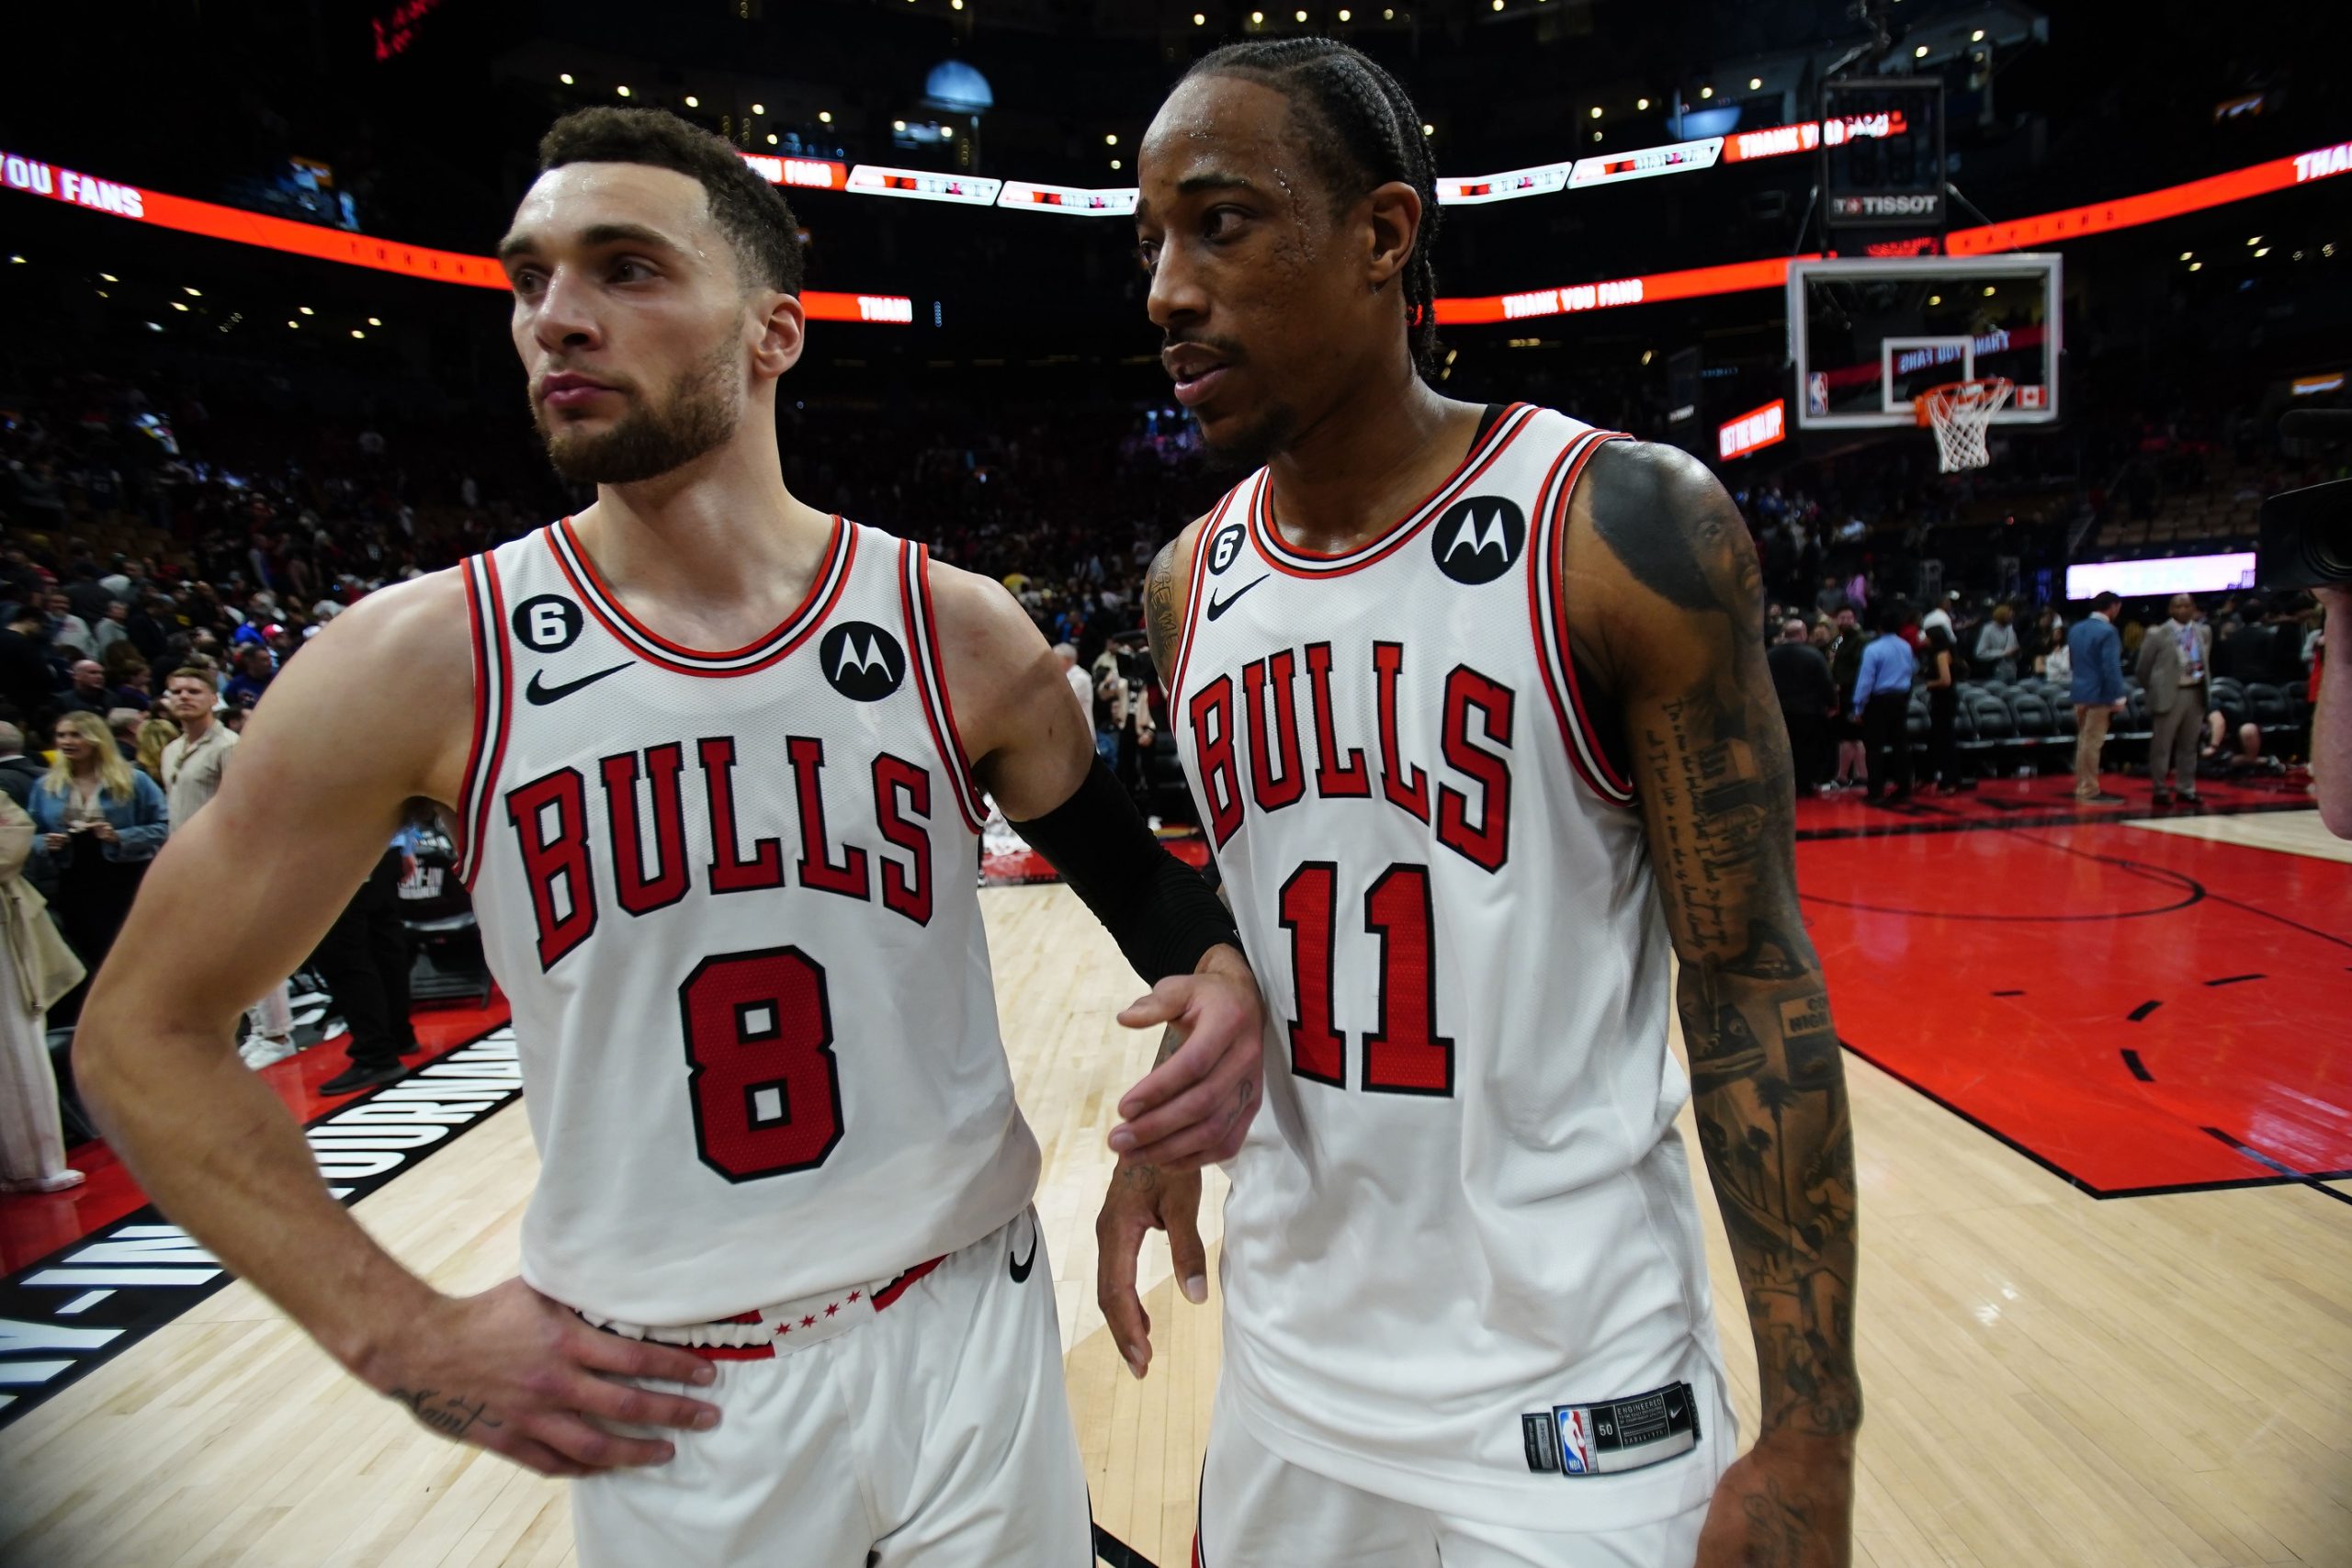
[1473, 706]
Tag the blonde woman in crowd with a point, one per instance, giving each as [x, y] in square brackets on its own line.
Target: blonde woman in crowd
[100, 821]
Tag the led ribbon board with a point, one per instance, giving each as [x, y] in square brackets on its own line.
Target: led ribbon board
[34, 177]
[1646, 162]
[923, 184]
[1020, 196]
[1475, 190]
[800, 174]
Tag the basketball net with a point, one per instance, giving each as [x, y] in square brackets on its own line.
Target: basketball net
[1961, 412]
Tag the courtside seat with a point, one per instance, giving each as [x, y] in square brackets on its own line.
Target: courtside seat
[2034, 722]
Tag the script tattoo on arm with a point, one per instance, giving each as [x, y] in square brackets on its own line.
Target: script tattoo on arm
[449, 1415]
[1163, 617]
[1768, 1082]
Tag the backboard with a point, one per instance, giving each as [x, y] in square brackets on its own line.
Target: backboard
[1870, 333]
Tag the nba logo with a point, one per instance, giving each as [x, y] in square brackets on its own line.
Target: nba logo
[1816, 394]
[1576, 1441]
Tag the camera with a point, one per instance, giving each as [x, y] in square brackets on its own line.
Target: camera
[2306, 535]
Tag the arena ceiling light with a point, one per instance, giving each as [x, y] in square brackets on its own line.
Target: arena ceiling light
[622, 89]
[565, 78]
[824, 116]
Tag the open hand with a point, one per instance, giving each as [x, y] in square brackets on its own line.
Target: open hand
[517, 1373]
[1143, 1199]
[1194, 1106]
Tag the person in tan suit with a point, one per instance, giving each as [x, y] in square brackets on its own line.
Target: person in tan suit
[2173, 659]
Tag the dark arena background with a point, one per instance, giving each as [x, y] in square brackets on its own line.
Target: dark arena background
[256, 365]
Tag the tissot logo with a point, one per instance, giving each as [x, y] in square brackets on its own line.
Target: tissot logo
[863, 662]
[1477, 539]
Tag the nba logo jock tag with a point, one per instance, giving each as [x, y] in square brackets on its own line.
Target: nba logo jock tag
[1614, 1437]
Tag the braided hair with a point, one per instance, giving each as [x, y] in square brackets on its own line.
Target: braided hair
[1361, 131]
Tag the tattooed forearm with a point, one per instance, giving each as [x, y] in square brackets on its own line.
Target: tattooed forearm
[449, 1415]
[1768, 1082]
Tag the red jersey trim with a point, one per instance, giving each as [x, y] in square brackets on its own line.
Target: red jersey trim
[493, 698]
[931, 683]
[841, 551]
[1295, 562]
[1205, 537]
[1548, 618]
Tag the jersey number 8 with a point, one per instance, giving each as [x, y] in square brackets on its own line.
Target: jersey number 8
[765, 1089]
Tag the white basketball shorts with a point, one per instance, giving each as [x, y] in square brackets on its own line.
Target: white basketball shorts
[1259, 1510]
[934, 1431]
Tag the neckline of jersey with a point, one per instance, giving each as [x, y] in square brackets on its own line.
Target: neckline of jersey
[618, 620]
[1281, 552]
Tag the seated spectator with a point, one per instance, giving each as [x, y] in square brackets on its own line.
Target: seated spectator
[68, 632]
[100, 822]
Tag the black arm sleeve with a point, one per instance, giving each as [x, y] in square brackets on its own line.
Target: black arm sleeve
[1162, 912]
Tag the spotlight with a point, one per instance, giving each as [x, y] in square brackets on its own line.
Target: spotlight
[18, 260]
[296, 325]
[109, 277]
[2262, 250]
[1347, 16]
[1596, 111]
[1989, 291]
[565, 78]
[1935, 298]
[2255, 240]
[898, 125]
[1199, 20]
[824, 116]
[1428, 129]
[191, 291]
[1300, 14]
[178, 306]
[770, 137]
[1706, 92]
[375, 321]
[1641, 103]
[623, 91]
[1596, 136]
[759, 108]
[2197, 266]
[356, 332]
[693, 102]
[306, 309]
[1257, 18]
[1110, 139]
[1115, 163]
[1920, 52]
[2188, 255]
[1976, 37]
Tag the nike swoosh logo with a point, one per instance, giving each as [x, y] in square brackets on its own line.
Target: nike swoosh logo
[1219, 606]
[541, 695]
[1020, 1266]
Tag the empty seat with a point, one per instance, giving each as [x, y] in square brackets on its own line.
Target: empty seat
[2031, 715]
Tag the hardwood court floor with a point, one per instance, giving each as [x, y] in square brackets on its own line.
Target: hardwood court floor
[2143, 1382]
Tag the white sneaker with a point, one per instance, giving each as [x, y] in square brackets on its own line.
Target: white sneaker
[261, 1050]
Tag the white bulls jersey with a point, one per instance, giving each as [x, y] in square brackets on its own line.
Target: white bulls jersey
[729, 896]
[1462, 1244]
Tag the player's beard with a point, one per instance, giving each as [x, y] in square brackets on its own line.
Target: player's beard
[699, 414]
[1238, 452]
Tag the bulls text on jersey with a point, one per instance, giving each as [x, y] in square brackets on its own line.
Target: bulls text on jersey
[1471, 799]
[584, 844]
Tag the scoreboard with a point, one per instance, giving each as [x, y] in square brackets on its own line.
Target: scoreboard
[1890, 175]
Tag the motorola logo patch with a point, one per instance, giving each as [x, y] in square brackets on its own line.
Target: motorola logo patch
[1478, 539]
[863, 662]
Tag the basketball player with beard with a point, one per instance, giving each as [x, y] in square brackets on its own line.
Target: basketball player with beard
[715, 760]
[1473, 704]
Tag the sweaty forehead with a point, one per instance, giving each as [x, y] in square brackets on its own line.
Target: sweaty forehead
[1219, 125]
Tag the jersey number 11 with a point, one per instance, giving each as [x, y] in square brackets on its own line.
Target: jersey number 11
[1403, 1054]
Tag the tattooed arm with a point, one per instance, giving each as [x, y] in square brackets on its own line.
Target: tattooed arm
[1665, 601]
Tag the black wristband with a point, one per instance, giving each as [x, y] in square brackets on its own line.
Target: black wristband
[1159, 910]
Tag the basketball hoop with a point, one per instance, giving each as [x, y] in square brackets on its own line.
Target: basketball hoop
[1961, 412]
